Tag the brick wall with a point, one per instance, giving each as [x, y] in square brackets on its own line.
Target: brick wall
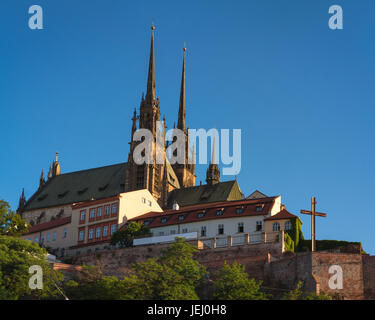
[118, 262]
[369, 276]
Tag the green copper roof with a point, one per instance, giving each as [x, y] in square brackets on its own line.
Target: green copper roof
[73, 187]
[222, 191]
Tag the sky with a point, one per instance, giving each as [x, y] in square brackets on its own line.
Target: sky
[302, 94]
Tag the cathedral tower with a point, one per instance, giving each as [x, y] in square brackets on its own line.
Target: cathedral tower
[146, 176]
[185, 172]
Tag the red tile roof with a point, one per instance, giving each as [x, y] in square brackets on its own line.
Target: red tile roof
[49, 225]
[283, 214]
[209, 211]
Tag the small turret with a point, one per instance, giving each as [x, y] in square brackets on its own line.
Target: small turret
[213, 172]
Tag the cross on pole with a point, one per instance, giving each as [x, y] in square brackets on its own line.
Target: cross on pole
[313, 213]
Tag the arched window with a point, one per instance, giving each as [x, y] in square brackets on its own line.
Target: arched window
[288, 225]
[276, 226]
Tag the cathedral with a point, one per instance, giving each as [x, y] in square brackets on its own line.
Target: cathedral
[168, 184]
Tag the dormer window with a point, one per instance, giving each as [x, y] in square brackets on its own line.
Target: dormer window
[220, 212]
[259, 208]
[200, 215]
[147, 223]
[164, 220]
[181, 218]
[240, 210]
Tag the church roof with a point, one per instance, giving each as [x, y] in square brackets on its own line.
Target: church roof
[79, 186]
[222, 191]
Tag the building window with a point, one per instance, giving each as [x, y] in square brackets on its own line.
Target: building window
[181, 218]
[161, 233]
[29, 239]
[203, 231]
[100, 211]
[36, 239]
[65, 233]
[240, 227]
[42, 239]
[276, 226]
[219, 212]
[185, 230]
[288, 225]
[106, 210]
[83, 215]
[147, 223]
[105, 231]
[91, 234]
[259, 208]
[149, 203]
[63, 252]
[98, 232]
[173, 231]
[239, 210]
[163, 220]
[259, 226]
[92, 214]
[114, 208]
[143, 200]
[81, 235]
[220, 229]
[200, 215]
[113, 229]
[54, 236]
[48, 237]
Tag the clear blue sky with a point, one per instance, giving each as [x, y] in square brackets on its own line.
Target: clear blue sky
[302, 94]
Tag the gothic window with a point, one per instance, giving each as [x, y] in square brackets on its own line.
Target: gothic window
[140, 177]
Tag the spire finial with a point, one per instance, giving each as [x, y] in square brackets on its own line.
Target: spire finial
[150, 94]
[57, 156]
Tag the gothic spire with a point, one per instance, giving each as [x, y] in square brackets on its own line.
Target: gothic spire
[213, 172]
[41, 181]
[150, 95]
[182, 106]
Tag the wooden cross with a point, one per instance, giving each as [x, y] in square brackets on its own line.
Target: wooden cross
[313, 213]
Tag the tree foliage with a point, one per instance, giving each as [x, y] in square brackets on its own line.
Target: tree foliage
[233, 283]
[173, 276]
[299, 294]
[16, 257]
[11, 223]
[124, 238]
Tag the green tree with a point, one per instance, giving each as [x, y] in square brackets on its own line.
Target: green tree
[11, 223]
[175, 275]
[124, 238]
[233, 283]
[16, 257]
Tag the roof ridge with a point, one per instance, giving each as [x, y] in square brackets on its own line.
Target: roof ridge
[72, 172]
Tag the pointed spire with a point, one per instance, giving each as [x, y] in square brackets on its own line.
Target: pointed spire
[22, 201]
[41, 181]
[150, 95]
[182, 105]
[213, 172]
[50, 173]
[134, 126]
